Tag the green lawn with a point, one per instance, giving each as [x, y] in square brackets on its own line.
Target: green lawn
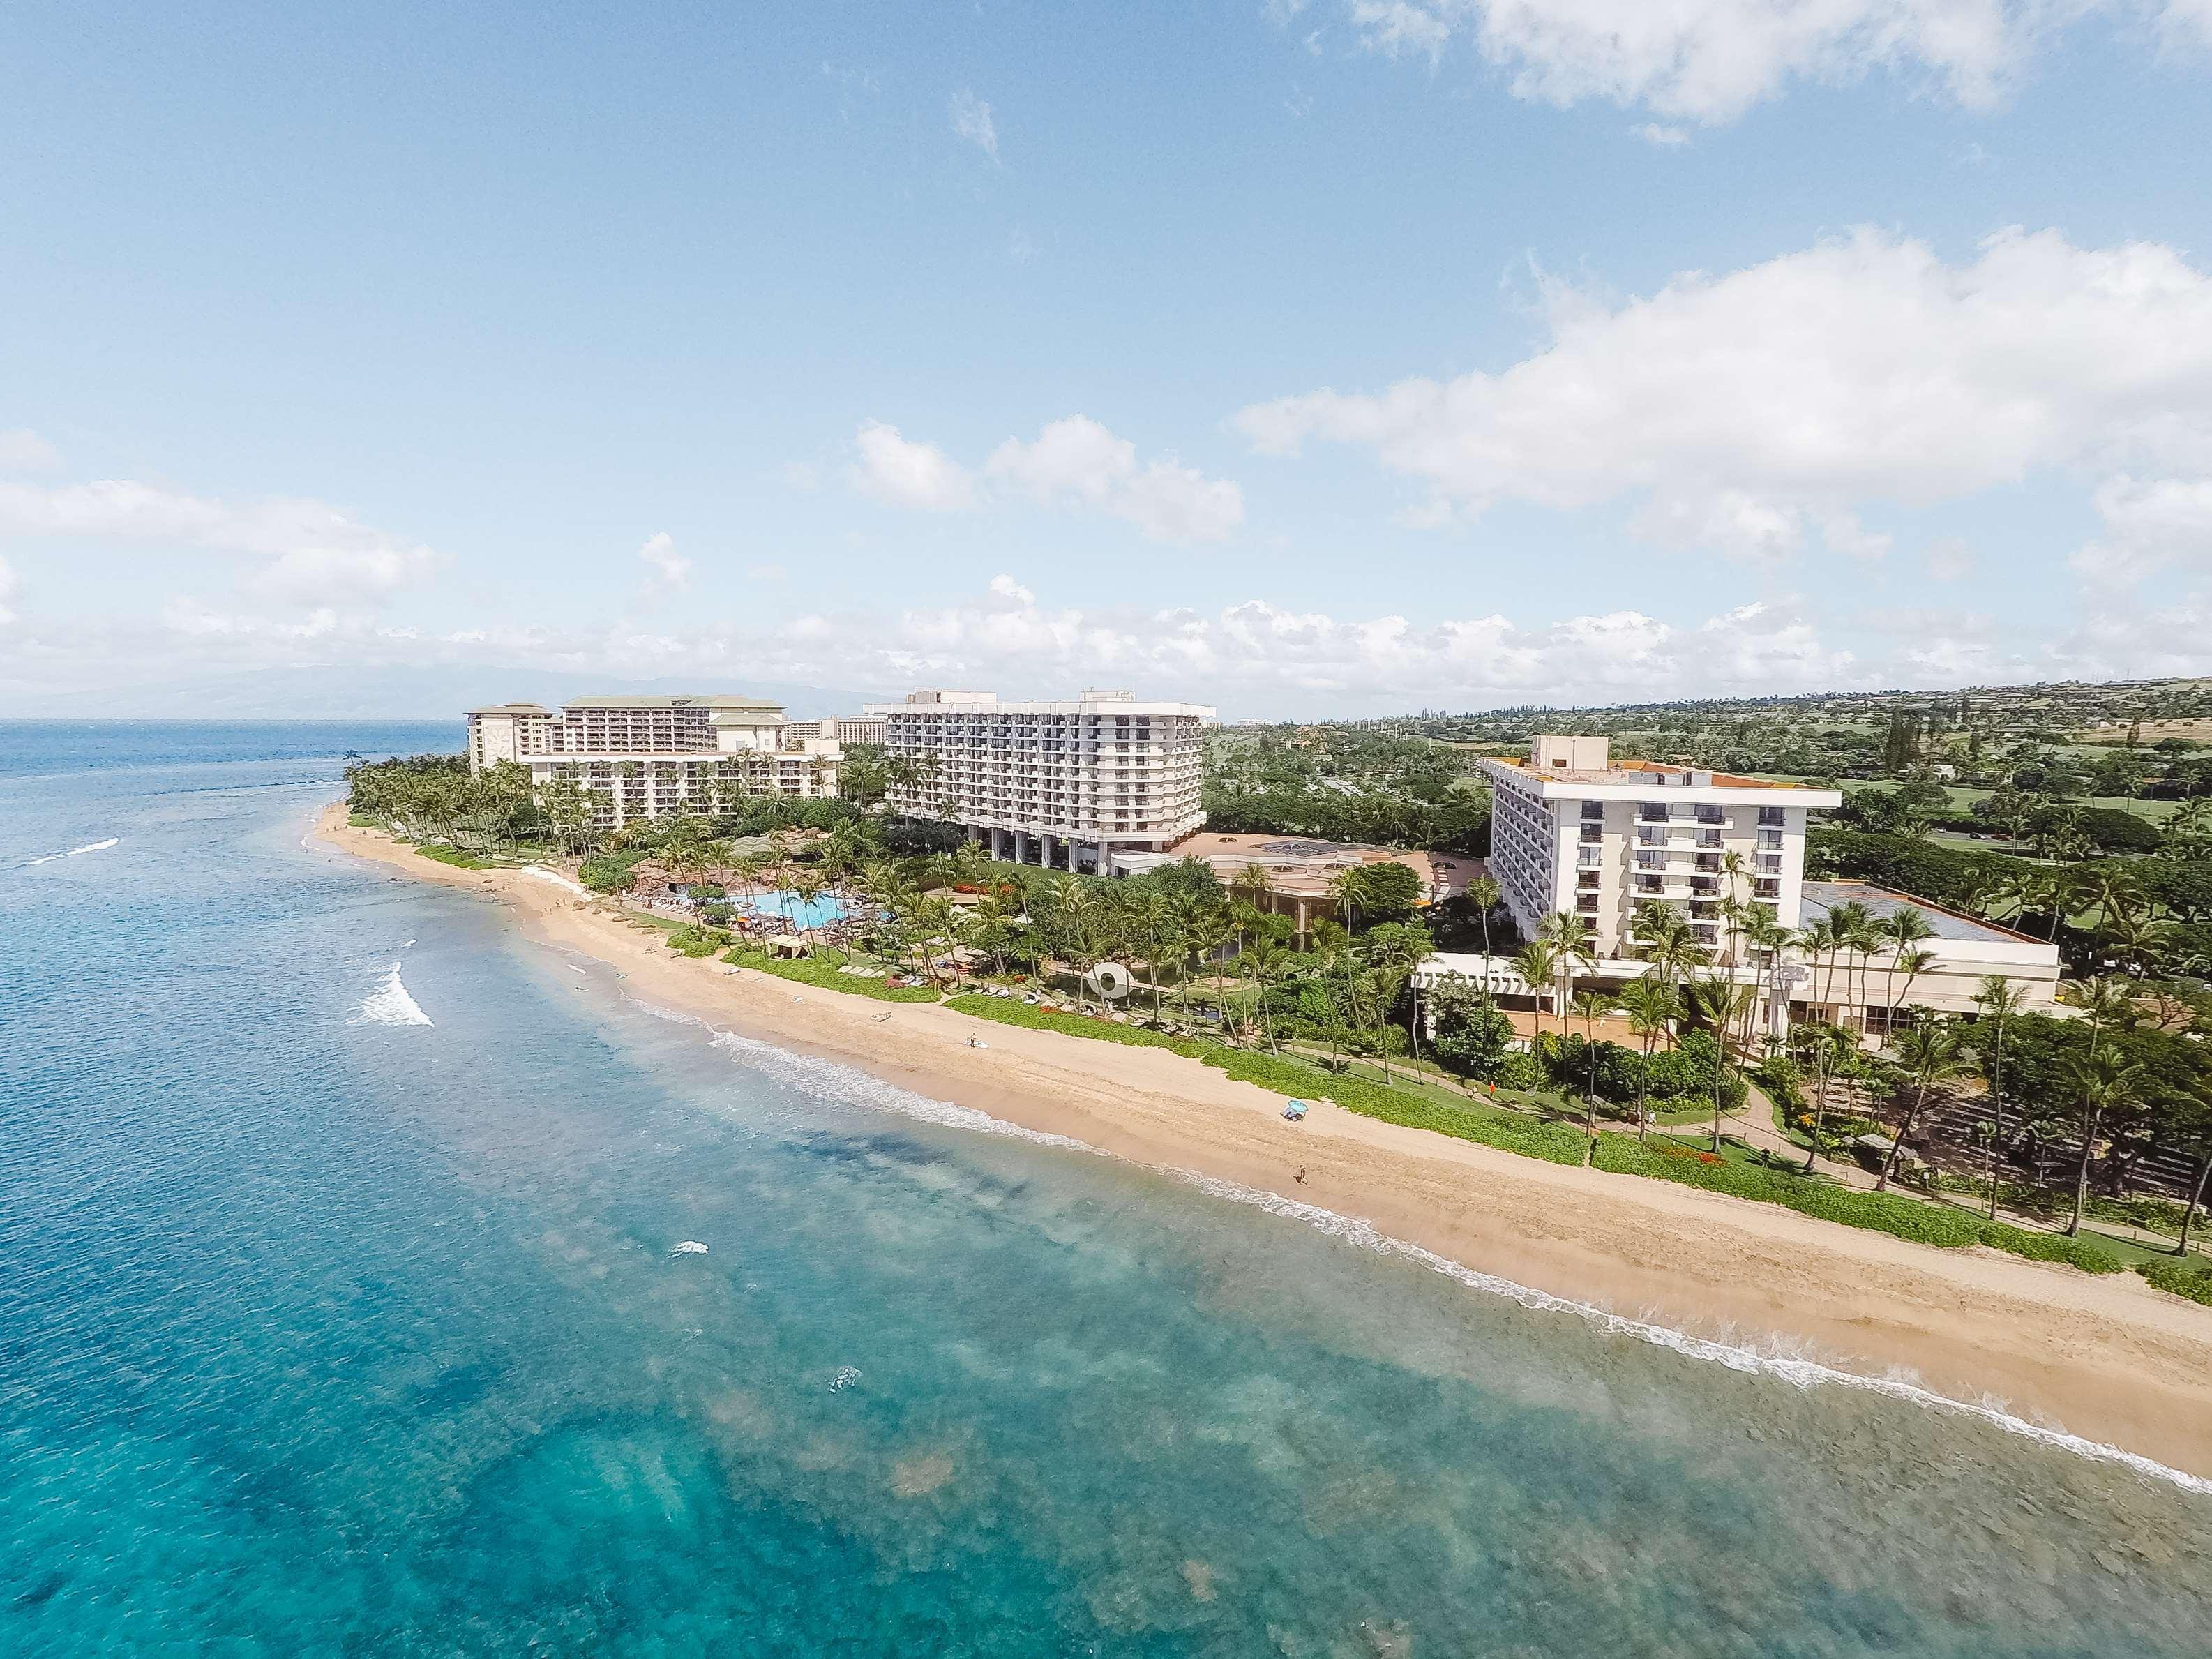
[821, 972]
[455, 857]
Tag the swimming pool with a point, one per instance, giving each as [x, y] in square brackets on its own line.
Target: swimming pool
[826, 910]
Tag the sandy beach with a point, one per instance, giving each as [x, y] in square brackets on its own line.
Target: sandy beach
[2108, 1357]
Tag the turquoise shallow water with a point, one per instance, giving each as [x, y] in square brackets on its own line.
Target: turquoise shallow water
[325, 1330]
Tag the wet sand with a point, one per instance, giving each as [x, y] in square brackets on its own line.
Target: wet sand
[2106, 1357]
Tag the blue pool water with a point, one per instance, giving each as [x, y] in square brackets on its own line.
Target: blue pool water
[825, 910]
[341, 1312]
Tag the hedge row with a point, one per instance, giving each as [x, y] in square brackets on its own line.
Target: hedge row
[1555, 1143]
[822, 973]
[1888, 1212]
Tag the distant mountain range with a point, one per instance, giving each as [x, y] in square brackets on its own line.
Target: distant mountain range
[315, 694]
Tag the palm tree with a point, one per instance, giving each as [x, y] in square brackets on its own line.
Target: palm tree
[1667, 941]
[1348, 890]
[1999, 999]
[1913, 964]
[1486, 895]
[1573, 945]
[1070, 900]
[1591, 1005]
[1263, 960]
[1532, 961]
[1724, 999]
[1902, 930]
[1649, 1004]
[2103, 1082]
[1932, 1053]
[1831, 1049]
[1399, 955]
[1735, 872]
[1847, 923]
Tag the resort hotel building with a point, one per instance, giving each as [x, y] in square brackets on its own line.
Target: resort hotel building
[1573, 830]
[1066, 785]
[646, 757]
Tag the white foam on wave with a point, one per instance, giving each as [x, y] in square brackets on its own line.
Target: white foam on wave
[75, 852]
[555, 876]
[849, 1086]
[390, 1004]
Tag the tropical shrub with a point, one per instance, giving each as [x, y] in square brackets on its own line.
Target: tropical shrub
[2190, 1279]
[1912, 1219]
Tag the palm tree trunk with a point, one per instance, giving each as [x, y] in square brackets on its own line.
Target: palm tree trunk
[2082, 1170]
[1820, 1114]
[1896, 1147]
[1643, 1092]
[2196, 1197]
[1996, 1129]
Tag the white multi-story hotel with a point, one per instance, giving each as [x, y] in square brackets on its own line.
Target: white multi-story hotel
[1066, 785]
[1573, 830]
[648, 757]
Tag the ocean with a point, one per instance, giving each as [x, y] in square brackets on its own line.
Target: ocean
[352, 1302]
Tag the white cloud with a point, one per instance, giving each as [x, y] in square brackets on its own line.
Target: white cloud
[670, 570]
[1950, 560]
[1077, 461]
[2150, 524]
[802, 476]
[316, 552]
[766, 573]
[893, 469]
[1071, 463]
[8, 583]
[2187, 23]
[1740, 413]
[971, 120]
[22, 450]
[1663, 136]
[1710, 60]
[1254, 657]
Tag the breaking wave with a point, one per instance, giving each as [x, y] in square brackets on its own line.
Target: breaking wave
[75, 852]
[390, 1004]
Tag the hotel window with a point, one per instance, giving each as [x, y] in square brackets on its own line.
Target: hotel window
[1651, 812]
[1770, 817]
[1594, 809]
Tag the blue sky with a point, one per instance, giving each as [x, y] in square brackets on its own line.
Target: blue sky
[1738, 345]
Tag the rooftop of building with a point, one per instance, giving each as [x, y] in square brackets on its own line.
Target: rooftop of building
[515, 709]
[1587, 761]
[1643, 771]
[988, 702]
[1300, 866]
[710, 700]
[1820, 898]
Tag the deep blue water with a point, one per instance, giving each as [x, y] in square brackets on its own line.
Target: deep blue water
[325, 1334]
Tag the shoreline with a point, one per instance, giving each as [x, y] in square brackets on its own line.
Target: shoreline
[2109, 1359]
